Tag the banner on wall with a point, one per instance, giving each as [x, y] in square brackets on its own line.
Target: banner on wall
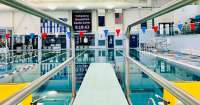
[180, 26]
[106, 32]
[118, 18]
[39, 41]
[82, 20]
[101, 20]
[68, 36]
[49, 26]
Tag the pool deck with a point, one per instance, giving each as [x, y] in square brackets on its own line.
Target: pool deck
[100, 87]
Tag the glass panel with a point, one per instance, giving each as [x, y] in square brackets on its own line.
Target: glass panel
[57, 91]
[119, 42]
[100, 55]
[101, 42]
[145, 91]
[169, 70]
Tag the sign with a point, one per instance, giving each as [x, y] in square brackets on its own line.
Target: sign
[82, 21]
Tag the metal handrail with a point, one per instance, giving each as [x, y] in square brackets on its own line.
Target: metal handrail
[194, 68]
[169, 86]
[171, 6]
[20, 95]
[52, 57]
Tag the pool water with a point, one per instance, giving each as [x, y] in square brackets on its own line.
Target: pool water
[169, 70]
[142, 87]
[58, 90]
[25, 70]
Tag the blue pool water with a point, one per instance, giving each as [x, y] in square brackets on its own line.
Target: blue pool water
[169, 70]
[141, 86]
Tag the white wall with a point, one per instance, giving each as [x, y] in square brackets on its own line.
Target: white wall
[24, 23]
[6, 19]
[183, 42]
[180, 15]
[132, 15]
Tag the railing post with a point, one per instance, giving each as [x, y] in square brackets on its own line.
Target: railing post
[73, 65]
[127, 66]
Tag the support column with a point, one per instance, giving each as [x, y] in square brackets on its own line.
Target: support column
[73, 65]
[127, 66]
[12, 36]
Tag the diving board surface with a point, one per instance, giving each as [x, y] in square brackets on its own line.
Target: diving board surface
[100, 87]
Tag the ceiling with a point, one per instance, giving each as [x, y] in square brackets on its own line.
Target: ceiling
[84, 4]
[85, 0]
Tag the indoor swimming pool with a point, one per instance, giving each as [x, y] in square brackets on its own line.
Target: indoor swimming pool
[25, 67]
[168, 69]
[142, 87]
[58, 90]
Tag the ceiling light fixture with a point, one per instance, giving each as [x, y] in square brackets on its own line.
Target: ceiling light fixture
[51, 7]
[110, 6]
[81, 7]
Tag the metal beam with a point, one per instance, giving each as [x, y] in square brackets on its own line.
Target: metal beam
[166, 9]
[29, 9]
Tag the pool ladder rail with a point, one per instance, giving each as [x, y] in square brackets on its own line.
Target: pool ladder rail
[163, 101]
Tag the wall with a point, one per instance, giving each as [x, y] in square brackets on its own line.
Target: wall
[132, 15]
[180, 15]
[24, 22]
[6, 19]
[183, 42]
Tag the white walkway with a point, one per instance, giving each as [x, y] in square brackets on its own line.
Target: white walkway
[100, 87]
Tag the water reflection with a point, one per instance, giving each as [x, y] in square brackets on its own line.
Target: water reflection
[168, 70]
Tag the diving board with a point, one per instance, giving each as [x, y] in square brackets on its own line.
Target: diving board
[100, 86]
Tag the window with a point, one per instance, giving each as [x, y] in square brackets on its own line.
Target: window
[101, 20]
[101, 42]
[102, 53]
[119, 42]
[119, 53]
